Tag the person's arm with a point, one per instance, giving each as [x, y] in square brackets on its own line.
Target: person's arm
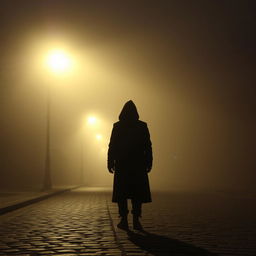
[111, 151]
[148, 150]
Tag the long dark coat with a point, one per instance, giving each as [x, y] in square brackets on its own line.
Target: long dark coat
[130, 155]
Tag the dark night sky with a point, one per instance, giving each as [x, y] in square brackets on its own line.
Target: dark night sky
[206, 48]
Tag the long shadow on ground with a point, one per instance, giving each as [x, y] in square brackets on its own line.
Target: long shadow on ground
[158, 245]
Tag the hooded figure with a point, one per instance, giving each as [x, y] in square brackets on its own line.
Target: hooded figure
[130, 158]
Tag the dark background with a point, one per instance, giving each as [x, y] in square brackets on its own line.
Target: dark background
[188, 65]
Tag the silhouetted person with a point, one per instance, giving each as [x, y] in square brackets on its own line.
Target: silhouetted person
[130, 158]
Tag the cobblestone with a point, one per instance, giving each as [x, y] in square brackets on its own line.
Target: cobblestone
[73, 223]
[83, 222]
[184, 223]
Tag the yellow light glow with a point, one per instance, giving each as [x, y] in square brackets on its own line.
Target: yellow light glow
[98, 136]
[58, 61]
[91, 120]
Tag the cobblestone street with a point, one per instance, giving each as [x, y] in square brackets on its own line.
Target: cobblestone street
[83, 222]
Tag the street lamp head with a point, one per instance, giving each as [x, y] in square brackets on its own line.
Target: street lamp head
[58, 61]
[91, 120]
[98, 137]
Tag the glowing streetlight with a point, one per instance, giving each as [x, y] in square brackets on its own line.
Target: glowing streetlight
[58, 60]
[98, 136]
[91, 120]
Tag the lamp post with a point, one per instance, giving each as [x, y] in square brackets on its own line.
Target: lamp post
[82, 162]
[58, 62]
[47, 174]
[92, 121]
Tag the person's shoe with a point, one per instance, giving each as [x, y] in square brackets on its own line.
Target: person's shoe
[123, 224]
[136, 223]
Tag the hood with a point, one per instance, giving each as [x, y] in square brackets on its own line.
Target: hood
[129, 112]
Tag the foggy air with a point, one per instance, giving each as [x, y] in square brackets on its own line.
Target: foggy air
[189, 75]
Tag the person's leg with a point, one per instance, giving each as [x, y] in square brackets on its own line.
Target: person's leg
[123, 207]
[123, 211]
[136, 211]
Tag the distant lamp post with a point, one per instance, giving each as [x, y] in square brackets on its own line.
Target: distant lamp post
[82, 162]
[58, 62]
[92, 122]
